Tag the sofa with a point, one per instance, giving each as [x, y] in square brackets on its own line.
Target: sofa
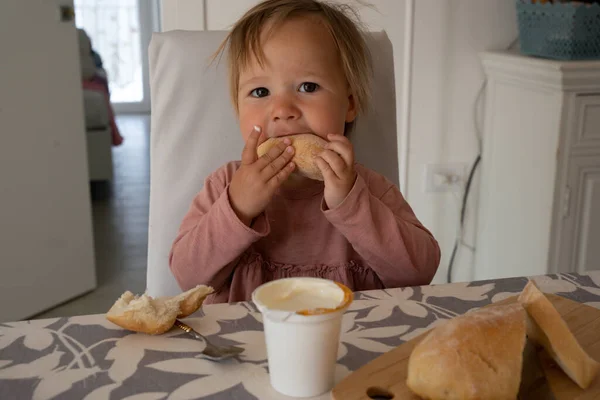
[97, 116]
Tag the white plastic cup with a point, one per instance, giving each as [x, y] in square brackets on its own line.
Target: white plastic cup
[302, 346]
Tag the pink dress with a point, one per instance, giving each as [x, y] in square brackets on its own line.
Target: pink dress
[372, 240]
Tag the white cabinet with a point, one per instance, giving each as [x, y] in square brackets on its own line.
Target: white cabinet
[539, 204]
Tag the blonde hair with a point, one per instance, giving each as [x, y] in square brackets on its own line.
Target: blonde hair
[243, 41]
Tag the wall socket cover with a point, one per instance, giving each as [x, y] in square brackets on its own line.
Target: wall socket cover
[449, 177]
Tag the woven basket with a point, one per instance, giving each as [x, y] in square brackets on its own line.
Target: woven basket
[561, 31]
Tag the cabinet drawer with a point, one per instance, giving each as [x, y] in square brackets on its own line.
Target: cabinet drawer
[586, 132]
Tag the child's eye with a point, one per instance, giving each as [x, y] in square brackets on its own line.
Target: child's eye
[259, 92]
[309, 87]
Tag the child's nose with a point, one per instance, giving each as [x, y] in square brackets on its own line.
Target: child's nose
[285, 109]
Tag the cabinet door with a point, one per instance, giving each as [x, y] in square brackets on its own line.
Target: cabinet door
[579, 238]
[586, 123]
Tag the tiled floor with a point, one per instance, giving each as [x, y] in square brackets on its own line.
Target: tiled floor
[120, 217]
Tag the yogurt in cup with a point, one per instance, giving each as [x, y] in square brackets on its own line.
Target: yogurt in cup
[302, 318]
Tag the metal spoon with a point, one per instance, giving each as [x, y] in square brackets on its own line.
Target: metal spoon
[211, 351]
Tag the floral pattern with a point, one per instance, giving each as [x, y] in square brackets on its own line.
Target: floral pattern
[87, 357]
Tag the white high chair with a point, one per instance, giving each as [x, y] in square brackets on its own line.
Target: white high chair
[194, 131]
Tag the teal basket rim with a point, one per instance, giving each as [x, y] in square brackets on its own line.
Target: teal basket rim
[552, 5]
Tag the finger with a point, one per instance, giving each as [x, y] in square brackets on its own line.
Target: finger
[261, 139]
[249, 153]
[326, 170]
[272, 154]
[338, 138]
[281, 176]
[278, 163]
[335, 161]
[344, 149]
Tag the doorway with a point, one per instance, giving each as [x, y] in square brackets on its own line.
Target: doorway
[120, 31]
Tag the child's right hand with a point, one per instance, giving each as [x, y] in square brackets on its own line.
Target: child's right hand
[257, 179]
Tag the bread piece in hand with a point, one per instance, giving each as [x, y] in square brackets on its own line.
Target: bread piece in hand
[478, 355]
[155, 316]
[306, 147]
[547, 328]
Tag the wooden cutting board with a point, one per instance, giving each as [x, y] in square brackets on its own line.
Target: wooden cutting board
[385, 377]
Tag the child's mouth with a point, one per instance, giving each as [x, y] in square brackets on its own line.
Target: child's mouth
[291, 133]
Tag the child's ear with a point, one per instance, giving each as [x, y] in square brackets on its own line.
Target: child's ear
[352, 111]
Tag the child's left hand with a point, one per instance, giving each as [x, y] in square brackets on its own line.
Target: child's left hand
[336, 163]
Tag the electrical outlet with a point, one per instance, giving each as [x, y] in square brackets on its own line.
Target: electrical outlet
[445, 177]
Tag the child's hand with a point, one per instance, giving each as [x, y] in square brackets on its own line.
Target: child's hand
[257, 179]
[336, 163]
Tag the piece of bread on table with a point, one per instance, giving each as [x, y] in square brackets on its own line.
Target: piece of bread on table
[306, 146]
[191, 301]
[155, 316]
[547, 328]
[477, 355]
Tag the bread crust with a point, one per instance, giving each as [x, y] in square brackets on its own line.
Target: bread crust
[155, 316]
[191, 301]
[478, 355]
[307, 146]
[547, 328]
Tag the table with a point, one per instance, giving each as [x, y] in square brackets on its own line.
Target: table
[87, 357]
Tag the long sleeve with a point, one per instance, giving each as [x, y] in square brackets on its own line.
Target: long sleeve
[381, 226]
[211, 238]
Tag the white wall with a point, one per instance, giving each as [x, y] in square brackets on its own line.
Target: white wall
[447, 75]
[442, 74]
[46, 243]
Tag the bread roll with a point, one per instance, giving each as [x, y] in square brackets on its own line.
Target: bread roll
[478, 355]
[306, 147]
[155, 316]
[547, 328]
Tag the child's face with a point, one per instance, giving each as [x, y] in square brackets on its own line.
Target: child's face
[301, 88]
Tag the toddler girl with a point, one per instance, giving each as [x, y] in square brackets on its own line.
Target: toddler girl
[299, 66]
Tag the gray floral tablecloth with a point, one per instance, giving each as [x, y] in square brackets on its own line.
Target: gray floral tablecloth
[87, 357]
